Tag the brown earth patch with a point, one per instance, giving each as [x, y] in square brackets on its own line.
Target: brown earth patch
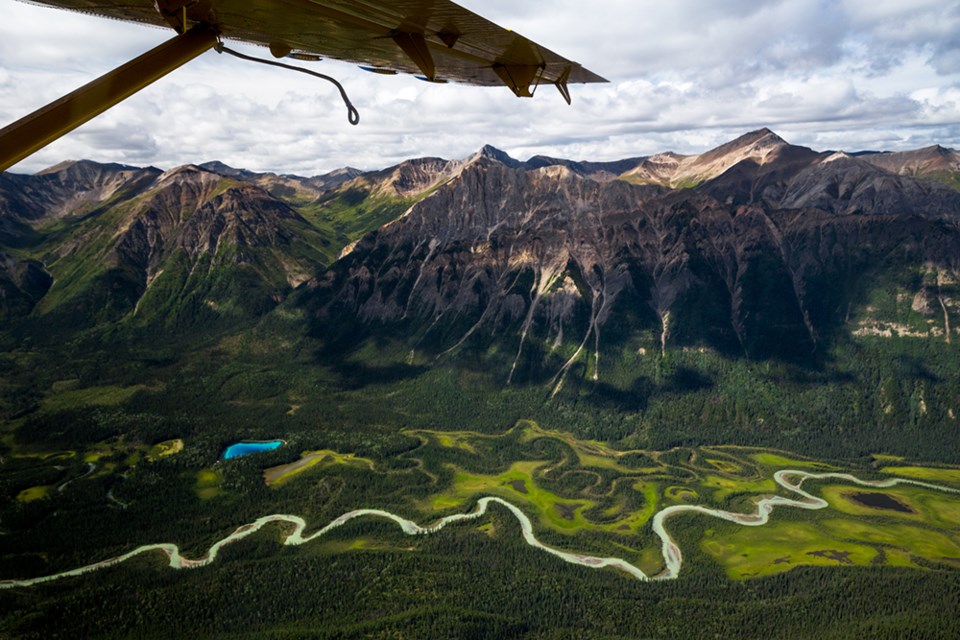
[843, 557]
[567, 511]
[273, 474]
[519, 486]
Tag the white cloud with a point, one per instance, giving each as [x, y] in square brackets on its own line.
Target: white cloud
[685, 75]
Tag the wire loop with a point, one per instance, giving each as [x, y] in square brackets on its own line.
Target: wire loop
[353, 116]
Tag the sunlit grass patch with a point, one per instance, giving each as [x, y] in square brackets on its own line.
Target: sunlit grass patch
[651, 503]
[207, 484]
[747, 552]
[929, 474]
[34, 493]
[941, 510]
[722, 488]
[517, 485]
[924, 542]
[840, 497]
[650, 560]
[777, 461]
[590, 453]
[883, 457]
[682, 495]
[94, 456]
[164, 449]
[455, 441]
[106, 396]
[726, 466]
[275, 476]
[46, 456]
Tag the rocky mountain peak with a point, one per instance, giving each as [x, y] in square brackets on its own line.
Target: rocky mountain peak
[216, 166]
[547, 251]
[488, 152]
[537, 257]
[409, 179]
[80, 173]
[339, 174]
[675, 170]
[760, 137]
[187, 171]
[73, 187]
[756, 145]
[923, 161]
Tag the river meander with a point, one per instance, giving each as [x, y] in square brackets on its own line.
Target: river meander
[788, 479]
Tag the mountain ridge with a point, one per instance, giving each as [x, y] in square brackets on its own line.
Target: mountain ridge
[716, 265]
[666, 237]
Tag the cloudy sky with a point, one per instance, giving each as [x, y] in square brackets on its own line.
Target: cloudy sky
[685, 75]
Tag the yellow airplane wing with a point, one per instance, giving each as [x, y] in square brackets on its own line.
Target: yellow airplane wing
[436, 38]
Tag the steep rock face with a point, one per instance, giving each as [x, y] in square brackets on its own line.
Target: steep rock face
[22, 284]
[157, 217]
[459, 248]
[196, 246]
[845, 185]
[919, 162]
[550, 261]
[558, 257]
[69, 188]
[599, 171]
[758, 148]
[194, 212]
[140, 244]
[183, 247]
[407, 179]
[762, 260]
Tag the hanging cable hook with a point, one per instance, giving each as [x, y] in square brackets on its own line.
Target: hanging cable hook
[353, 116]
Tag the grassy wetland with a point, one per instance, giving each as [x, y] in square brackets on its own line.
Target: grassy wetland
[585, 497]
[103, 463]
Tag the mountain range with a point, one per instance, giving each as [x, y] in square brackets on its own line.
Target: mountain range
[545, 268]
[593, 342]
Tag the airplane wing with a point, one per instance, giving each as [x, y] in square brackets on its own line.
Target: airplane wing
[435, 38]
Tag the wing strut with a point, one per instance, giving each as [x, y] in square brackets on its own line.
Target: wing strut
[562, 84]
[43, 126]
[415, 46]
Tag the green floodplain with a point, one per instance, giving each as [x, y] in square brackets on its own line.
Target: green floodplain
[113, 452]
[586, 497]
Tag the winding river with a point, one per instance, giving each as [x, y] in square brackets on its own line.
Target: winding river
[789, 479]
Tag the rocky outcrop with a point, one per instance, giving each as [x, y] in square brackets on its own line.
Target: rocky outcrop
[757, 149]
[843, 184]
[69, 189]
[754, 248]
[918, 163]
[760, 260]
[22, 284]
[147, 246]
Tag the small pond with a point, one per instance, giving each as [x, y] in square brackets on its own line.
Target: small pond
[881, 501]
[246, 448]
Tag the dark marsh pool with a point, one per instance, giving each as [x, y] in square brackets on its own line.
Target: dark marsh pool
[881, 501]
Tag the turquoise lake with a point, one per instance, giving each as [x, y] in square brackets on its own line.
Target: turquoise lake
[246, 448]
